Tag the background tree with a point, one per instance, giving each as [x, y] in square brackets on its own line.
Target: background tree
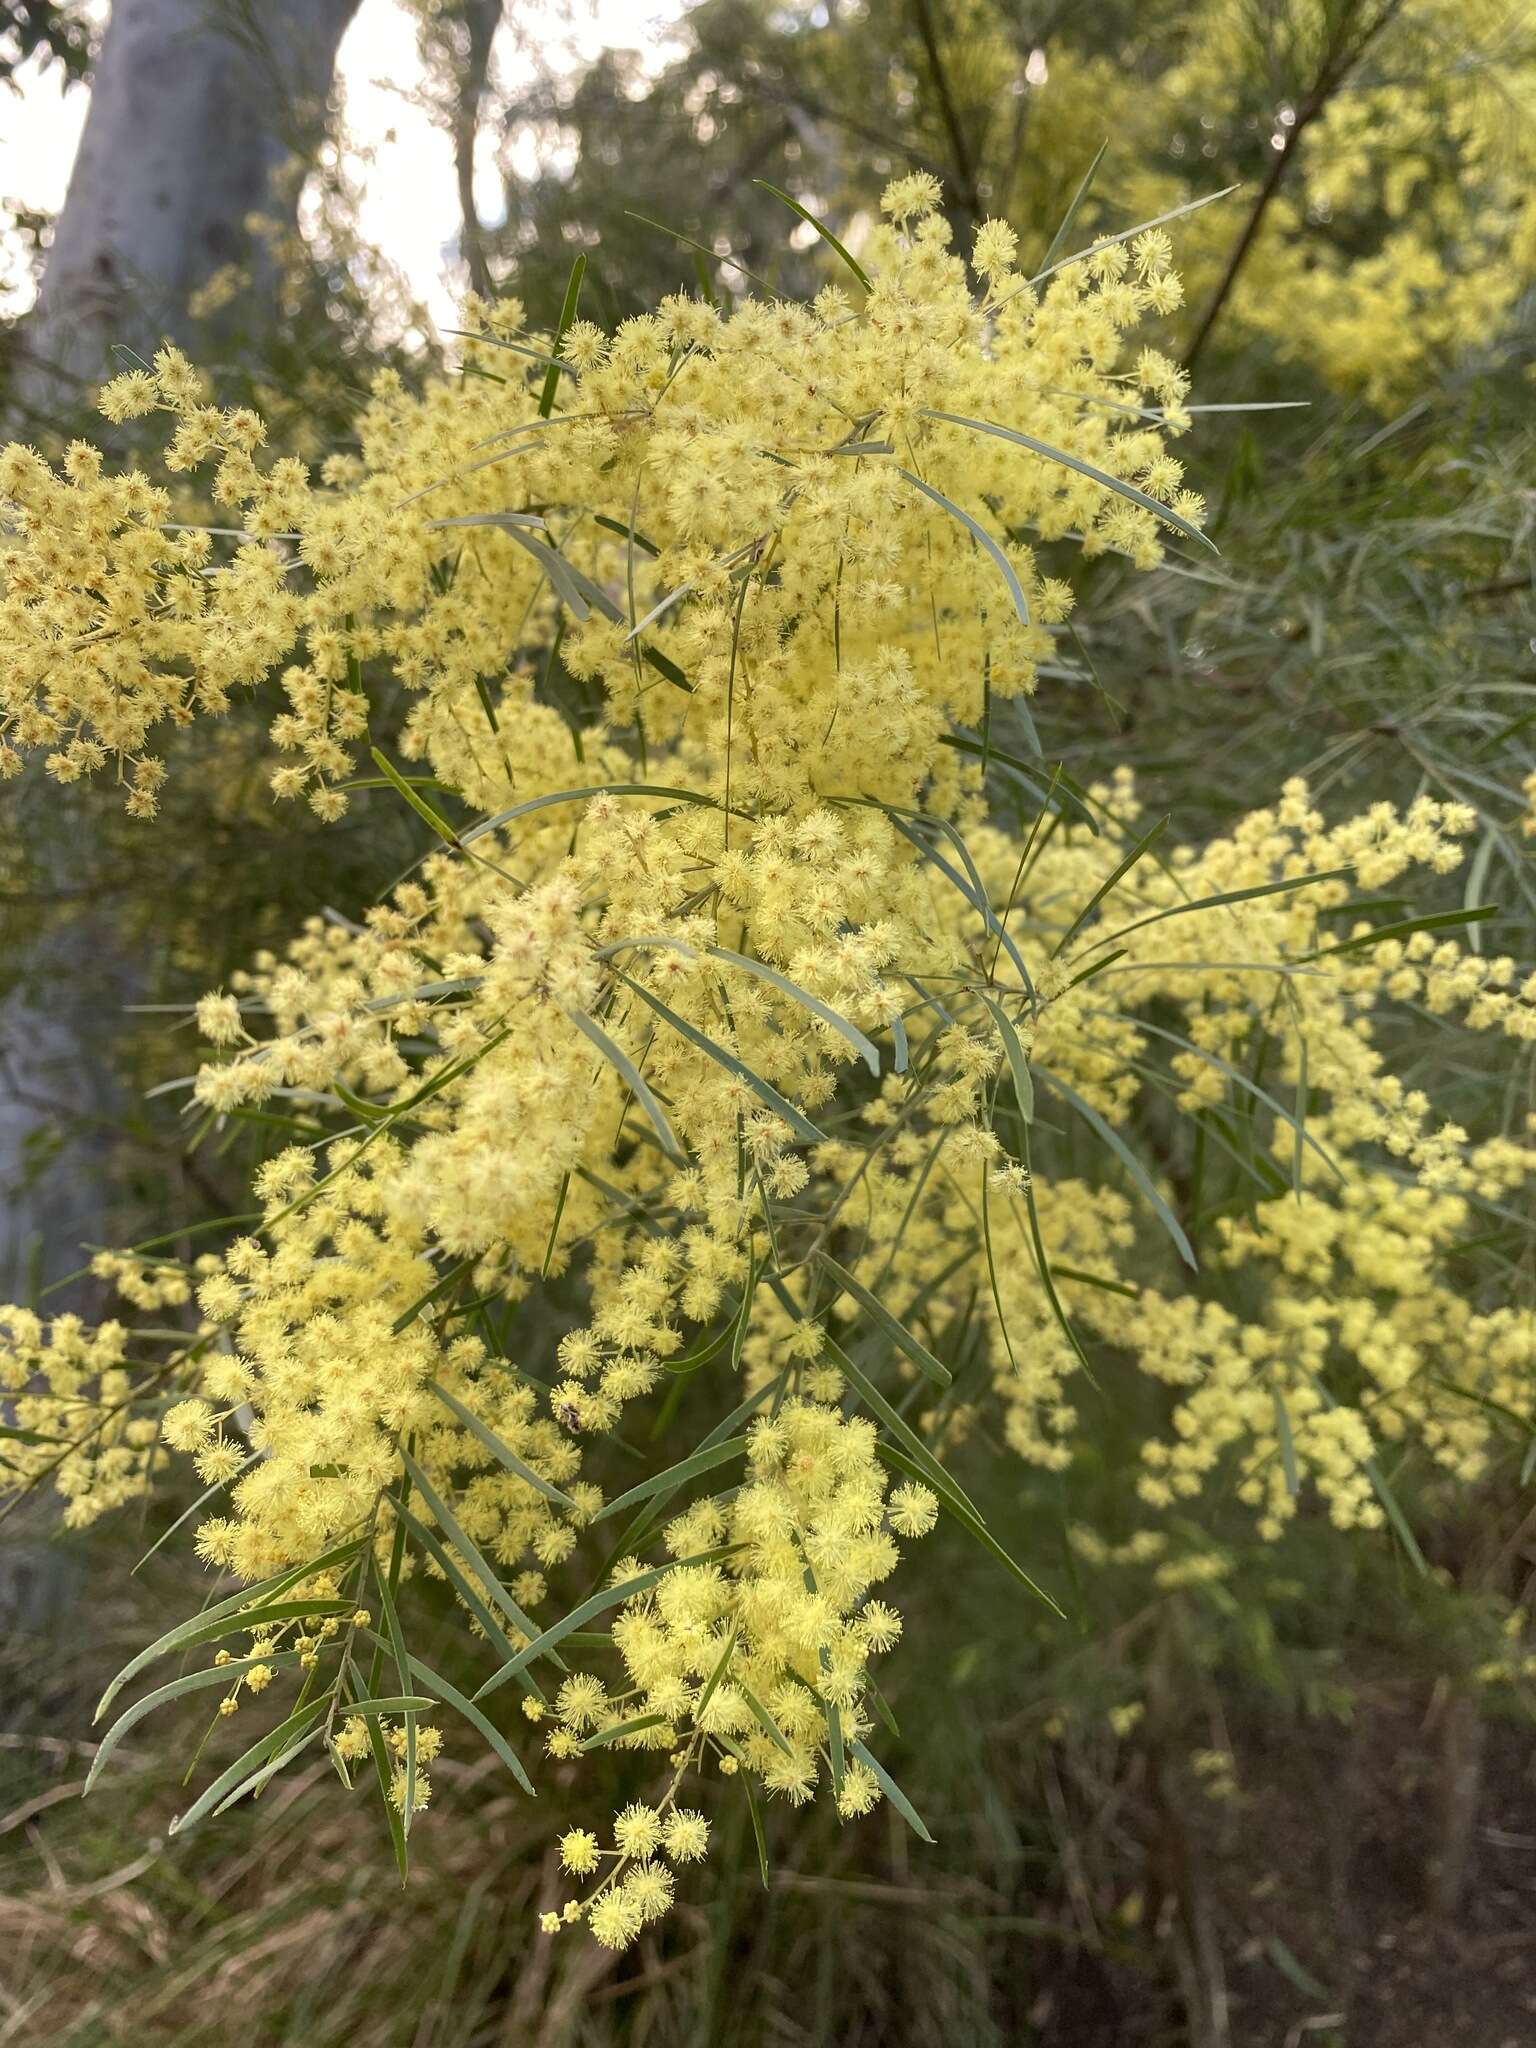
[198, 110]
[205, 120]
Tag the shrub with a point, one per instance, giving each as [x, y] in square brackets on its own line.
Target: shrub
[767, 1016]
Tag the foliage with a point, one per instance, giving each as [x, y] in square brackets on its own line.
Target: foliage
[1385, 227]
[767, 1020]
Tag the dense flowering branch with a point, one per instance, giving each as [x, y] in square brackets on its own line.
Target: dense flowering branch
[725, 1014]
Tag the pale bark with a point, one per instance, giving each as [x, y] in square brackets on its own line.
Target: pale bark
[195, 104]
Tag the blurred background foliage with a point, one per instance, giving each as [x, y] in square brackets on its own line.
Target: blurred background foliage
[1286, 1805]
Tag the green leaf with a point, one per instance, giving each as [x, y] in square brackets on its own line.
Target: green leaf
[1302, 1099]
[434, 1293]
[986, 1238]
[1060, 791]
[1061, 1272]
[495, 1635]
[193, 1681]
[800, 1124]
[645, 1520]
[1018, 1065]
[867, 1050]
[575, 590]
[1073, 210]
[447, 1522]
[676, 1475]
[268, 1770]
[192, 1635]
[699, 248]
[622, 1728]
[625, 533]
[970, 884]
[487, 1729]
[932, 1471]
[633, 1078]
[1226, 896]
[187, 1513]
[821, 228]
[882, 1708]
[1043, 1267]
[892, 1791]
[899, 1334]
[714, 1678]
[1115, 875]
[406, 1703]
[834, 1735]
[402, 1666]
[533, 521]
[572, 796]
[554, 1227]
[1128, 1160]
[978, 533]
[247, 1601]
[833, 1718]
[1477, 879]
[269, 1745]
[610, 1596]
[665, 666]
[1287, 1444]
[567, 315]
[417, 803]
[1244, 1081]
[499, 1450]
[1158, 220]
[383, 1773]
[1087, 469]
[763, 1718]
[1384, 1494]
[757, 1820]
[1440, 920]
[534, 355]
[954, 1503]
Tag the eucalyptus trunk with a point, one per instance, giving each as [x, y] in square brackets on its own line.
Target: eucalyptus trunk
[196, 105]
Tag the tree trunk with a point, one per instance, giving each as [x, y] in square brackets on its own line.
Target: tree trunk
[195, 104]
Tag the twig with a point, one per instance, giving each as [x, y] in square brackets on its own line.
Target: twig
[1339, 62]
[967, 197]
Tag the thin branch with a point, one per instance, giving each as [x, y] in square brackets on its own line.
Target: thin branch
[1341, 59]
[967, 197]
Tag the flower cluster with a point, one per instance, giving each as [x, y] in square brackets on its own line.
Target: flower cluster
[708, 1055]
[804, 453]
[1401, 230]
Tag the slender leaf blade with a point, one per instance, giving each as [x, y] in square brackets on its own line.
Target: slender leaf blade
[1102, 477]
